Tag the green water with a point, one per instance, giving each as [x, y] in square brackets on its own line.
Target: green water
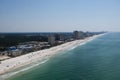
[96, 60]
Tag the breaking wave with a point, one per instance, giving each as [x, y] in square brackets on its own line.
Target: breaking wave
[5, 76]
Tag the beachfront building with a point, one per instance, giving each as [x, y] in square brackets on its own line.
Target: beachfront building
[51, 40]
[26, 48]
[60, 36]
[14, 53]
[78, 35]
[3, 53]
[44, 45]
[87, 34]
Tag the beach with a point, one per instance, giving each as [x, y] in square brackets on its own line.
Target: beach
[17, 62]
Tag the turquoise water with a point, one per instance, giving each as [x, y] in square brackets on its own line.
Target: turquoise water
[96, 60]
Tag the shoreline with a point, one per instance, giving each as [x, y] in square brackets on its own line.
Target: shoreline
[11, 64]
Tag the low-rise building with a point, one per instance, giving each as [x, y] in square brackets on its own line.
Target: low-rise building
[14, 53]
[4, 53]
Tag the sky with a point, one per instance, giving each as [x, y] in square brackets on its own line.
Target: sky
[59, 15]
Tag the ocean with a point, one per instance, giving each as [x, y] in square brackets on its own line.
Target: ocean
[95, 60]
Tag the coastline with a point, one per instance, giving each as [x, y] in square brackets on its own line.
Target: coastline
[17, 62]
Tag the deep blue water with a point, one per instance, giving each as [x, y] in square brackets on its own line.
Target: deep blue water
[96, 60]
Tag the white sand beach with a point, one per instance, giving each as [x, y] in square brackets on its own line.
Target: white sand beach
[17, 62]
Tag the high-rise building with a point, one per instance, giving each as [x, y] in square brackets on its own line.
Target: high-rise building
[51, 39]
[87, 34]
[59, 37]
[78, 35]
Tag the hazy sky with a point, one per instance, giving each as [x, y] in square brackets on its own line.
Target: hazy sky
[59, 15]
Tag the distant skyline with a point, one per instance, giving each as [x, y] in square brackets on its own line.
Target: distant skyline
[59, 15]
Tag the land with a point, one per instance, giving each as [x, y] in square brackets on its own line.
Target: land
[17, 44]
[17, 62]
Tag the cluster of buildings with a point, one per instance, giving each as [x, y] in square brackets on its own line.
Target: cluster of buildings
[82, 35]
[24, 48]
[53, 40]
[56, 39]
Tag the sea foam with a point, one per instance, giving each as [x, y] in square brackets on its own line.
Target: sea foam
[5, 76]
